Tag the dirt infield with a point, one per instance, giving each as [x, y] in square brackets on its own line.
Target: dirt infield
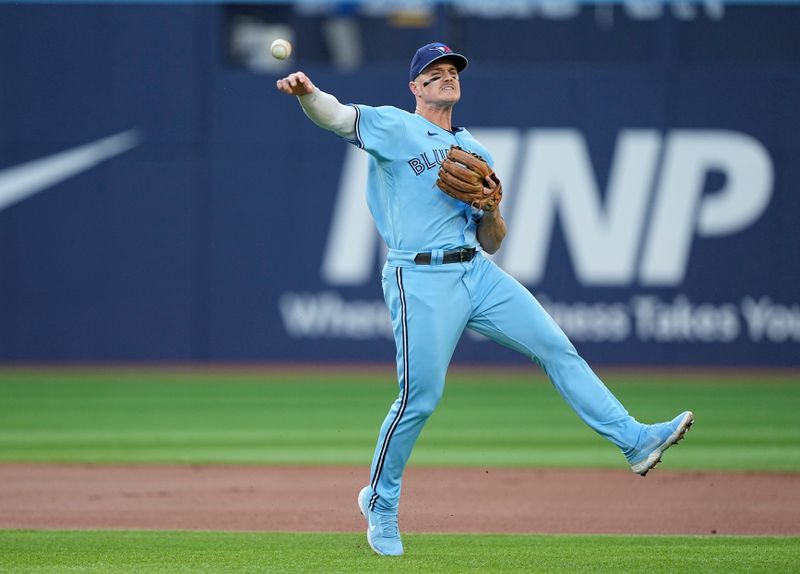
[262, 498]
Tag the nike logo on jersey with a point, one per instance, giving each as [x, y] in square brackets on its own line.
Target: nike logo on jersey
[22, 181]
[433, 134]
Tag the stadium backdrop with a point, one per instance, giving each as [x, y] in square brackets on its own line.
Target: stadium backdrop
[160, 201]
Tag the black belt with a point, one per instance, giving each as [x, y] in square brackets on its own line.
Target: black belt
[454, 256]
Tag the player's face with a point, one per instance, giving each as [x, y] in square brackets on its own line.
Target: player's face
[439, 83]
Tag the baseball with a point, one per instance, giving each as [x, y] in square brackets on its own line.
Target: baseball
[280, 49]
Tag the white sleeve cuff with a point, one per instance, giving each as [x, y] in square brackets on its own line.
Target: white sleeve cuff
[327, 112]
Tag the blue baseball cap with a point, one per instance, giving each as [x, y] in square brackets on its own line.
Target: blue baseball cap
[431, 53]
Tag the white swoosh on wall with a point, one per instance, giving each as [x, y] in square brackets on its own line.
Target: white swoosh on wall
[24, 180]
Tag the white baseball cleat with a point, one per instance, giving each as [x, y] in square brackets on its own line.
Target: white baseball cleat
[383, 534]
[656, 439]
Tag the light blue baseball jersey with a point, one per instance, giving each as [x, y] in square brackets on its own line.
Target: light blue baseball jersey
[410, 212]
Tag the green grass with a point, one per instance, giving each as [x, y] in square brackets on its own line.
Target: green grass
[486, 419]
[491, 419]
[129, 552]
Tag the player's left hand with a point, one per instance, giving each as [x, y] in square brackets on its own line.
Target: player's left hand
[467, 177]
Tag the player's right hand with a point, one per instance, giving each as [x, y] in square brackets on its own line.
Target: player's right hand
[295, 84]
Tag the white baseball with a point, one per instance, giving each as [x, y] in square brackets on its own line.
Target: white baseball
[280, 49]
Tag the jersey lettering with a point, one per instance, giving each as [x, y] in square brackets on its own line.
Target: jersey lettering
[423, 162]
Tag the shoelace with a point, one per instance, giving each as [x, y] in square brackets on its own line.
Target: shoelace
[388, 525]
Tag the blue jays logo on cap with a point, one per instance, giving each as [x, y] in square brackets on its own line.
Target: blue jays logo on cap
[430, 53]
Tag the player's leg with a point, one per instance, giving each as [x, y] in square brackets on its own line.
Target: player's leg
[509, 314]
[429, 309]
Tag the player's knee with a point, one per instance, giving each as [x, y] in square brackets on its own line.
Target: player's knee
[425, 410]
[555, 348]
[422, 404]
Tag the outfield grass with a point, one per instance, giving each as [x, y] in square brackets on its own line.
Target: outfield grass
[745, 422]
[130, 552]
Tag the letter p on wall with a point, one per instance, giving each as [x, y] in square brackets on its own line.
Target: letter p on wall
[679, 208]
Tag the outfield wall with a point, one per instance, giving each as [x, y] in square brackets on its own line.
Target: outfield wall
[649, 161]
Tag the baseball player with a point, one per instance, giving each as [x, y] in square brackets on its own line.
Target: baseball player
[436, 203]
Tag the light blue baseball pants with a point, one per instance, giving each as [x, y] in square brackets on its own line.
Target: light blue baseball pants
[430, 306]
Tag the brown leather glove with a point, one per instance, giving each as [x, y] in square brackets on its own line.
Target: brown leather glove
[462, 175]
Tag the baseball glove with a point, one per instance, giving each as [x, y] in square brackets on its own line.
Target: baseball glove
[462, 176]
